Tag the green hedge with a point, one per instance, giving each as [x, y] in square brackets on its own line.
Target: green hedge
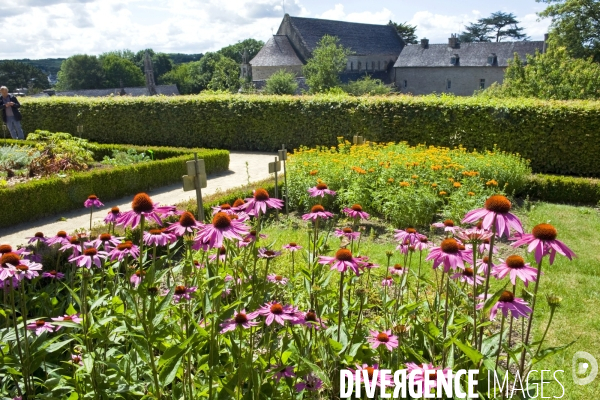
[563, 189]
[35, 199]
[559, 137]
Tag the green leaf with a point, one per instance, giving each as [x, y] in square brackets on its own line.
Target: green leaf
[474, 355]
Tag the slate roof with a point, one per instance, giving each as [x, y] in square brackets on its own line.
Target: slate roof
[278, 51]
[470, 54]
[167, 90]
[363, 39]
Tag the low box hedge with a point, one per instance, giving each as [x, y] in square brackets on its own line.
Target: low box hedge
[39, 198]
[563, 189]
[559, 137]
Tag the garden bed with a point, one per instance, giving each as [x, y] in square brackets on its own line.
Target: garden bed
[48, 196]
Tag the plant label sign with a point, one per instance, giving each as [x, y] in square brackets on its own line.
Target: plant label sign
[274, 166]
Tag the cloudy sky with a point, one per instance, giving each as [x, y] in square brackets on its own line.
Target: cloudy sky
[60, 28]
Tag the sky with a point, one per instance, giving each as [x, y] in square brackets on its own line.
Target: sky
[60, 28]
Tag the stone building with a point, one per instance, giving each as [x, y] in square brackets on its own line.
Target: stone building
[375, 47]
[454, 67]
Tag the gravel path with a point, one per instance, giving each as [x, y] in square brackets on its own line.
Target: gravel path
[236, 176]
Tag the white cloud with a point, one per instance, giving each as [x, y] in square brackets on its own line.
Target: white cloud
[365, 17]
[534, 28]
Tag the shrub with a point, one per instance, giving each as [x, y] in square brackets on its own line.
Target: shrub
[367, 85]
[407, 185]
[563, 189]
[558, 137]
[281, 82]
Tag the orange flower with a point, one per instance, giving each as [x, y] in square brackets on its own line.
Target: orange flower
[391, 180]
[457, 185]
[415, 176]
[436, 167]
[314, 172]
[492, 182]
[442, 193]
[404, 184]
[471, 194]
[434, 185]
[359, 170]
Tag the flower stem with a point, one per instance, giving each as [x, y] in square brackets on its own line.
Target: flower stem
[340, 306]
[488, 273]
[537, 284]
[552, 310]
[500, 341]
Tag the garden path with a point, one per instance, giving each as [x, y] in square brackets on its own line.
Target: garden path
[70, 221]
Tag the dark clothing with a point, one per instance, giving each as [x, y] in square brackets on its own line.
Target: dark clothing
[14, 108]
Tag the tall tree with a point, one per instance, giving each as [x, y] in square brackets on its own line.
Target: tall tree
[497, 27]
[235, 51]
[161, 63]
[328, 60]
[81, 71]
[185, 76]
[119, 70]
[575, 25]
[15, 75]
[406, 32]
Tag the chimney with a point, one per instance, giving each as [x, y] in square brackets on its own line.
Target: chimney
[424, 43]
[453, 41]
[546, 36]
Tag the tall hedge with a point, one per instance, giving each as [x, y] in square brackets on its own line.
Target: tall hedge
[39, 198]
[558, 136]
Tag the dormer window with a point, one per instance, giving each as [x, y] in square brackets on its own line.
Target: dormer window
[491, 59]
[454, 59]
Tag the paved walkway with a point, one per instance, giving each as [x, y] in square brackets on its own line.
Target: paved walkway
[235, 177]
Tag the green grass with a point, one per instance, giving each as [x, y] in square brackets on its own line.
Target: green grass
[577, 282]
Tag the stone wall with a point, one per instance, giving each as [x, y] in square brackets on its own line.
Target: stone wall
[370, 63]
[463, 80]
[261, 73]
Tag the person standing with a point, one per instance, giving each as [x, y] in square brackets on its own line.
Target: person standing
[10, 113]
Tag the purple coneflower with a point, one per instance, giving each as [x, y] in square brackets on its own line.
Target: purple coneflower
[276, 312]
[482, 265]
[182, 292]
[74, 244]
[60, 238]
[543, 240]
[239, 205]
[67, 318]
[77, 359]
[226, 208]
[397, 269]
[253, 237]
[90, 256]
[53, 275]
[515, 267]
[142, 205]
[282, 372]
[222, 227]
[38, 237]
[343, 261]
[266, 253]
[292, 246]
[423, 243]
[320, 190]
[495, 211]
[187, 224]
[221, 253]
[241, 319]
[347, 232]
[449, 254]
[317, 211]
[409, 233]
[137, 277]
[106, 241]
[468, 275]
[26, 270]
[447, 225]
[507, 302]
[40, 326]
[310, 382]
[123, 250]
[370, 370]
[474, 235]
[112, 216]
[384, 338]
[158, 237]
[355, 212]
[92, 201]
[309, 319]
[277, 279]
[387, 281]
[423, 369]
[260, 202]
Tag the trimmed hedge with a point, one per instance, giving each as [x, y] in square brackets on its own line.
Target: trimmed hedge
[563, 189]
[39, 198]
[560, 137]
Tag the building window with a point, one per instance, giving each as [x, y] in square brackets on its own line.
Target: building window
[482, 84]
[448, 84]
[405, 83]
[491, 59]
[359, 65]
[351, 66]
[454, 59]
[372, 65]
[379, 65]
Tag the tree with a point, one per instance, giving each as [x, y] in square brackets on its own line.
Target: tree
[184, 77]
[80, 71]
[235, 51]
[18, 75]
[161, 63]
[119, 70]
[328, 60]
[551, 75]
[496, 27]
[575, 25]
[406, 32]
[367, 86]
[281, 82]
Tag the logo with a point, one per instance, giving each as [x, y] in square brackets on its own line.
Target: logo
[584, 372]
